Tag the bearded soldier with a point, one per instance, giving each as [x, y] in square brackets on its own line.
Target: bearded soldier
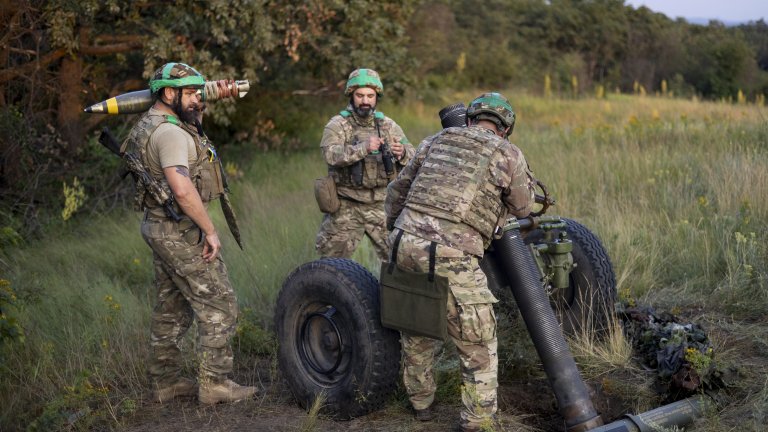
[364, 149]
[444, 208]
[190, 277]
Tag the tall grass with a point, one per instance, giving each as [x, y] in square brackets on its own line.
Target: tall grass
[675, 189]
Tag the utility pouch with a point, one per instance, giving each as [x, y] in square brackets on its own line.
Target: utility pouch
[414, 303]
[325, 194]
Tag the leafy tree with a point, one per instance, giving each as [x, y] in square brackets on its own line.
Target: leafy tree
[717, 60]
[756, 36]
[59, 54]
[654, 49]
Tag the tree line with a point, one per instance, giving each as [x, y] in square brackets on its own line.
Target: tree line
[56, 56]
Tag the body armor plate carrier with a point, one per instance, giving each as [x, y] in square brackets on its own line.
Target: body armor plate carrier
[458, 163]
[205, 173]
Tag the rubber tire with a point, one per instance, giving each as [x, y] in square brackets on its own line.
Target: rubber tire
[589, 302]
[366, 355]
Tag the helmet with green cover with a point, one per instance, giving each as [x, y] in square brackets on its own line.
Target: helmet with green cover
[175, 75]
[364, 78]
[494, 107]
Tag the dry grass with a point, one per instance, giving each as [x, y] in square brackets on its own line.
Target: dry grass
[310, 423]
[674, 188]
[598, 356]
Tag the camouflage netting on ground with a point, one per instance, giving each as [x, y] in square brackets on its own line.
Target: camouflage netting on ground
[681, 353]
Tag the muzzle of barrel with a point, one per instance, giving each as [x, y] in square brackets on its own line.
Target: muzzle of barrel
[453, 116]
[678, 413]
[517, 264]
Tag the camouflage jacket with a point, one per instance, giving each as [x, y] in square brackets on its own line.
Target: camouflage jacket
[471, 179]
[344, 144]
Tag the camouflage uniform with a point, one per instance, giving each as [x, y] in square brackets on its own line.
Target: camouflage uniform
[457, 187]
[343, 144]
[187, 287]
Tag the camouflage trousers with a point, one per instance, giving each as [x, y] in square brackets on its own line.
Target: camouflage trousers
[340, 233]
[471, 327]
[187, 289]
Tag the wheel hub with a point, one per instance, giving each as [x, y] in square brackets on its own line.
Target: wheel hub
[321, 342]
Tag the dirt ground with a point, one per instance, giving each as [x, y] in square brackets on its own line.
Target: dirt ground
[276, 410]
[526, 401]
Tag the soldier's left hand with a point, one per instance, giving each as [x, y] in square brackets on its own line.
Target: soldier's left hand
[397, 149]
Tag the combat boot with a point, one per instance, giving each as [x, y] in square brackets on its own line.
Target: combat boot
[225, 391]
[182, 387]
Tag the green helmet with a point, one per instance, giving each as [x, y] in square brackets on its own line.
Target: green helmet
[364, 78]
[175, 75]
[493, 107]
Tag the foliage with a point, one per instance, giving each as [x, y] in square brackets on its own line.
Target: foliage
[717, 61]
[600, 42]
[76, 408]
[647, 174]
[63, 54]
[10, 329]
[251, 337]
[74, 198]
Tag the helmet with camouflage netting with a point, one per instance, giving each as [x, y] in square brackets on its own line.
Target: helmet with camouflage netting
[494, 107]
[175, 75]
[364, 78]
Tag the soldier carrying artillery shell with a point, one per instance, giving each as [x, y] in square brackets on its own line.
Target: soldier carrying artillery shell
[190, 276]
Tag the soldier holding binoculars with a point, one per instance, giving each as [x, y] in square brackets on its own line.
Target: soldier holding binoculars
[363, 149]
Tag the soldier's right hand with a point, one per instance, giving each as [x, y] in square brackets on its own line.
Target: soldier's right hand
[211, 247]
[374, 143]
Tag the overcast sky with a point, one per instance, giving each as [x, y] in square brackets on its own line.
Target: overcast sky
[723, 10]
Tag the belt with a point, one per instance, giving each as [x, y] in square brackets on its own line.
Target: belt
[153, 217]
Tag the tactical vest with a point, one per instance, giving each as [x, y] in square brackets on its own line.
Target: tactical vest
[373, 173]
[457, 163]
[205, 172]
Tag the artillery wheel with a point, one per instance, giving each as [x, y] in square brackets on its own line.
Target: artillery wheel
[331, 339]
[588, 302]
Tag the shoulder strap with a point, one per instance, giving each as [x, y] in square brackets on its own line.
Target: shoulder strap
[393, 257]
[432, 250]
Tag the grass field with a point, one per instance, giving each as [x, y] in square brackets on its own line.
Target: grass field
[676, 190]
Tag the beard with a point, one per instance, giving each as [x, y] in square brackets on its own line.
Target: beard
[187, 116]
[364, 110]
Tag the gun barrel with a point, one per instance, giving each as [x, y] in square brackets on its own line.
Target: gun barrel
[453, 116]
[141, 100]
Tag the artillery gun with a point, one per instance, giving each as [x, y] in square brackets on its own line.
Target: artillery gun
[553, 269]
